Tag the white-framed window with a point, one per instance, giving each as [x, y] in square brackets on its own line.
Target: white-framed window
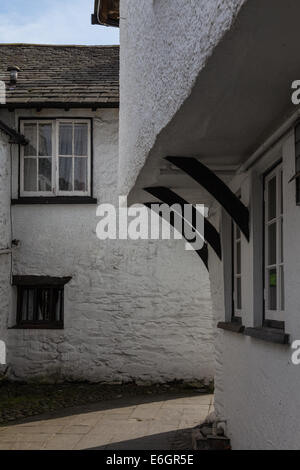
[237, 270]
[274, 255]
[57, 161]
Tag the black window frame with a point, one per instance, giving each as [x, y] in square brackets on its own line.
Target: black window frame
[40, 285]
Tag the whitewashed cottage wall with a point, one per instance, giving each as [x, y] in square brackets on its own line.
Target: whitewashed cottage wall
[132, 310]
[5, 232]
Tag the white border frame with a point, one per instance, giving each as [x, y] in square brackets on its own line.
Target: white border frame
[55, 159]
[278, 314]
[37, 193]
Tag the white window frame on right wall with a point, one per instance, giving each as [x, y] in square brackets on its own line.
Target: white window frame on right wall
[273, 240]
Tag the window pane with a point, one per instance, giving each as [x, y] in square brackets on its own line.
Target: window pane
[44, 304]
[45, 140]
[281, 192]
[28, 305]
[80, 174]
[65, 173]
[272, 209]
[45, 174]
[239, 293]
[238, 258]
[65, 139]
[272, 280]
[30, 132]
[282, 288]
[81, 139]
[272, 244]
[57, 305]
[30, 174]
[238, 233]
[281, 241]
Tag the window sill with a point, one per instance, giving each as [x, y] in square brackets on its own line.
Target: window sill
[271, 335]
[34, 326]
[54, 200]
[234, 327]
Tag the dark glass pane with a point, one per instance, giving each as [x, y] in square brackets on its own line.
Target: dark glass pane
[80, 174]
[282, 288]
[65, 174]
[238, 233]
[272, 244]
[28, 305]
[57, 304]
[30, 132]
[272, 279]
[281, 241]
[30, 174]
[65, 139]
[239, 293]
[45, 174]
[45, 140]
[272, 206]
[81, 139]
[44, 304]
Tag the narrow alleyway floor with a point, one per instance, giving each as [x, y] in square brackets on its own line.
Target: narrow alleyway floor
[162, 422]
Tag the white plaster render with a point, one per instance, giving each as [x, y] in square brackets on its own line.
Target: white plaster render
[5, 229]
[164, 46]
[133, 310]
[256, 384]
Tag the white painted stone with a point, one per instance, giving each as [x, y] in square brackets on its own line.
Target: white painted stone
[5, 233]
[133, 310]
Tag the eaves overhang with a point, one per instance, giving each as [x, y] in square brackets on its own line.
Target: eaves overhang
[106, 13]
[239, 99]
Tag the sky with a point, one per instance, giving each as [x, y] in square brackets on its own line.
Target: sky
[52, 22]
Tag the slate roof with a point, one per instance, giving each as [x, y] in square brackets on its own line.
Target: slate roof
[61, 76]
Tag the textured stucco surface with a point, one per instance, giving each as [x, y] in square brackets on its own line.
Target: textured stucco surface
[164, 45]
[133, 310]
[257, 385]
[5, 259]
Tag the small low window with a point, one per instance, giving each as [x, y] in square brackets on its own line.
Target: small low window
[40, 301]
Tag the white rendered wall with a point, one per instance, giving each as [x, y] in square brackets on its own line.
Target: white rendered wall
[164, 45]
[5, 259]
[257, 386]
[133, 310]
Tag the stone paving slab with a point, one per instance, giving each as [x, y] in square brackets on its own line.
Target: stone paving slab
[138, 423]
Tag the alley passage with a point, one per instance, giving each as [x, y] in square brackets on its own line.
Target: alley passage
[137, 423]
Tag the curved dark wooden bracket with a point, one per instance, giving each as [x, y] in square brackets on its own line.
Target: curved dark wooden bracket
[217, 188]
[169, 197]
[203, 253]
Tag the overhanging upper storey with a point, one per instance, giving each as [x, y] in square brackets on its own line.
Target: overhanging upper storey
[239, 95]
[106, 12]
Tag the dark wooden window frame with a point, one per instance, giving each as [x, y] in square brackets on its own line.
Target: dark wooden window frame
[39, 285]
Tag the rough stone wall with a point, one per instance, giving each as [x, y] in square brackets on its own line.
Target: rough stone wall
[133, 310]
[164, 45]
[5, 259]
